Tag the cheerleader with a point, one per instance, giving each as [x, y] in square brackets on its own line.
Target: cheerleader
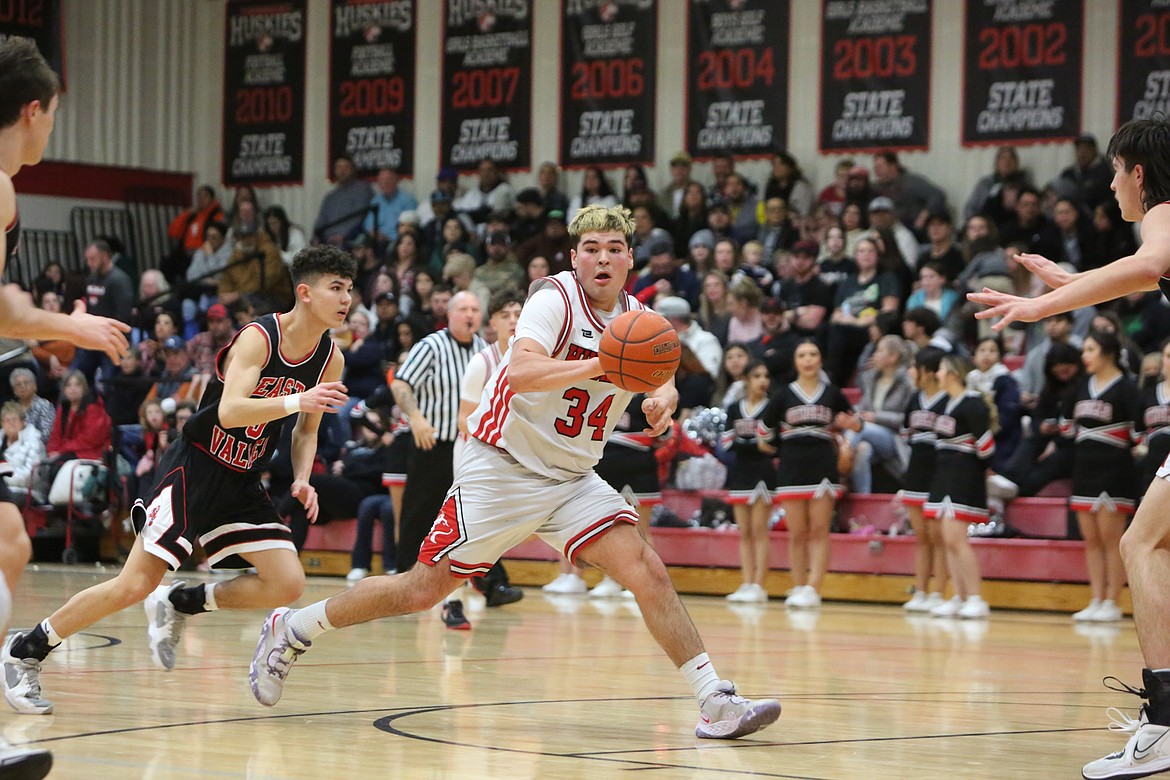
[929, 552]
[751, 482]
[1155, 439]
[957, 492]
[1100, 418]
[803, 417]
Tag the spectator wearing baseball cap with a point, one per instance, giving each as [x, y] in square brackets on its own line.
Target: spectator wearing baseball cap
[501, 269]
[178, 374]
[807, 299]
[442, 199]
[205, 345]
[387, 206]
[883, 216]
[704, 345]
[666, 276]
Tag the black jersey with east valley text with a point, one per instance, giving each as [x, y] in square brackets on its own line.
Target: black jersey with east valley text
[250, 449]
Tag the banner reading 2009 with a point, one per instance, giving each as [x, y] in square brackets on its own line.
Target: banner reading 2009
[372, 84]
[875, 75]
[737, 80]
[1022, 71]
[609, 52]
[1143, 78]
[487, 83]
[264, 92]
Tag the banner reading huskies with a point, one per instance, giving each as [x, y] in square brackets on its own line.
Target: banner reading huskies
[39, 21]
[609, 50]
[487, 83]
[875, 75]
[372, 84]
[1022, 71]
[264, 92]
[737, 77]
[1143, 75]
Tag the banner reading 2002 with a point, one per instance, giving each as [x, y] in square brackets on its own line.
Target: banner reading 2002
[264, 92]
[1143, 78]
[372, 84]
[487, 83]
[609, 52]
[737, 79]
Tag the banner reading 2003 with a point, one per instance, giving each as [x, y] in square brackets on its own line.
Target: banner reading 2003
[264, 92]
[487, 83]
[372, 84]
[609, 51]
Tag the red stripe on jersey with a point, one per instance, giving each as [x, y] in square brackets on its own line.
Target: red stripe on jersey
[499, 432]
[567, 327]
[491, 423]
[15, 219]
[595, 531]
[588, 309]
[222, 354]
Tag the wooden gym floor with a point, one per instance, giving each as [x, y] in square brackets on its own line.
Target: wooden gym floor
[571, 688]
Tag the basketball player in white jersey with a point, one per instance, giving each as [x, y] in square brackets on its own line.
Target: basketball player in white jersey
[540, 427]
[28, 107]
[1140, 153]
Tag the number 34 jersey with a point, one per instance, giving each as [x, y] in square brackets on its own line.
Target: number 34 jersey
[559, 433]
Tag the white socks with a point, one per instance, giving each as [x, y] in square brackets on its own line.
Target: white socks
[54, 639]
[309, 623]
[700, 673]
[209, 597]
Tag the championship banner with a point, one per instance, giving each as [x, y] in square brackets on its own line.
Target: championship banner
[264, 92]
[875, 75]
[609, 51]
[1022, 71]
[1143, 75]
[372, 83]
[487, 83]
[737, 77]
[41, 22]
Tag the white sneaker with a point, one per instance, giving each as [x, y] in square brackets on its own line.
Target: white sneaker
[357, 575]
[164, 625]
[606, 589]
[1088, 612]
[743, 593]
[917, 603]
[759, 595]
[24, 763]
[1146, 753]
[948, 608]
[934, 600]
[1002, 487]
[566, 584]
[22, 682]
[974, 608]
[1107, 612]
[724, 715]
[803, 597]
[275, 654]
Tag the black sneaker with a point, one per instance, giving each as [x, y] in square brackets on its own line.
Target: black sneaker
[503, 594]
[453, 617]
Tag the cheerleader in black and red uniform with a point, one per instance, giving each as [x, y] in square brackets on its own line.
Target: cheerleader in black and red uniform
[957, 493]
[1155, 427]
[929, 551]
[751, 483]
[1100, 417]
[805, 415]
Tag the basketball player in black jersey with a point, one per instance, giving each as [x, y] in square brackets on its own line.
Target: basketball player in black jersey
[210, 490]
[1140, 153]
[28, 105]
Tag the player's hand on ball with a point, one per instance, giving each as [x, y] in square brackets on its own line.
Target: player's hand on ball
[326, 397]
[305, 493]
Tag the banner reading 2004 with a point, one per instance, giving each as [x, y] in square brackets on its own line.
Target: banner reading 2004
[372, 84]
[737, 80]
[264, 92]
[487, 83]
[1143, 78]
[609, 50]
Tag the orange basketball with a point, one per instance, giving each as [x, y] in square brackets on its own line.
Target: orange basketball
[639, 351]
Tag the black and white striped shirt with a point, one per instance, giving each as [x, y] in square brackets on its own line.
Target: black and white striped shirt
[434, 370]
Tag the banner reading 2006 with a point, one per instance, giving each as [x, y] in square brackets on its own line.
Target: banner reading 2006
[609, 51]
[372, 84]
[875, 75]
[737, 79]
[1143, 78]
[39, 21]
[1022, 71]
[487, 83]
[264, 92]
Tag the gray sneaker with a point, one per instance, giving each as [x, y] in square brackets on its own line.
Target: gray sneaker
[22, 682]
[724, 715]
[275, 654]
[164, 625]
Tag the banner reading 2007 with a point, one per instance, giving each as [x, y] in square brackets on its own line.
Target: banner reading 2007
[875, 75]
[1143, 78]
[264, 92]
[737, 79]
[40, 21]
[372, 84]
[609, 52]
[487, 83]
[1022, 71]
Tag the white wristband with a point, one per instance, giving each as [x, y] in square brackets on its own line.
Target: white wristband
[292, 403]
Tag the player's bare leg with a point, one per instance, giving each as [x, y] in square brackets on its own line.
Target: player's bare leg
[15, 551]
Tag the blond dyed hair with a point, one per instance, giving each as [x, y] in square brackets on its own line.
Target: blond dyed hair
[602, 219]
